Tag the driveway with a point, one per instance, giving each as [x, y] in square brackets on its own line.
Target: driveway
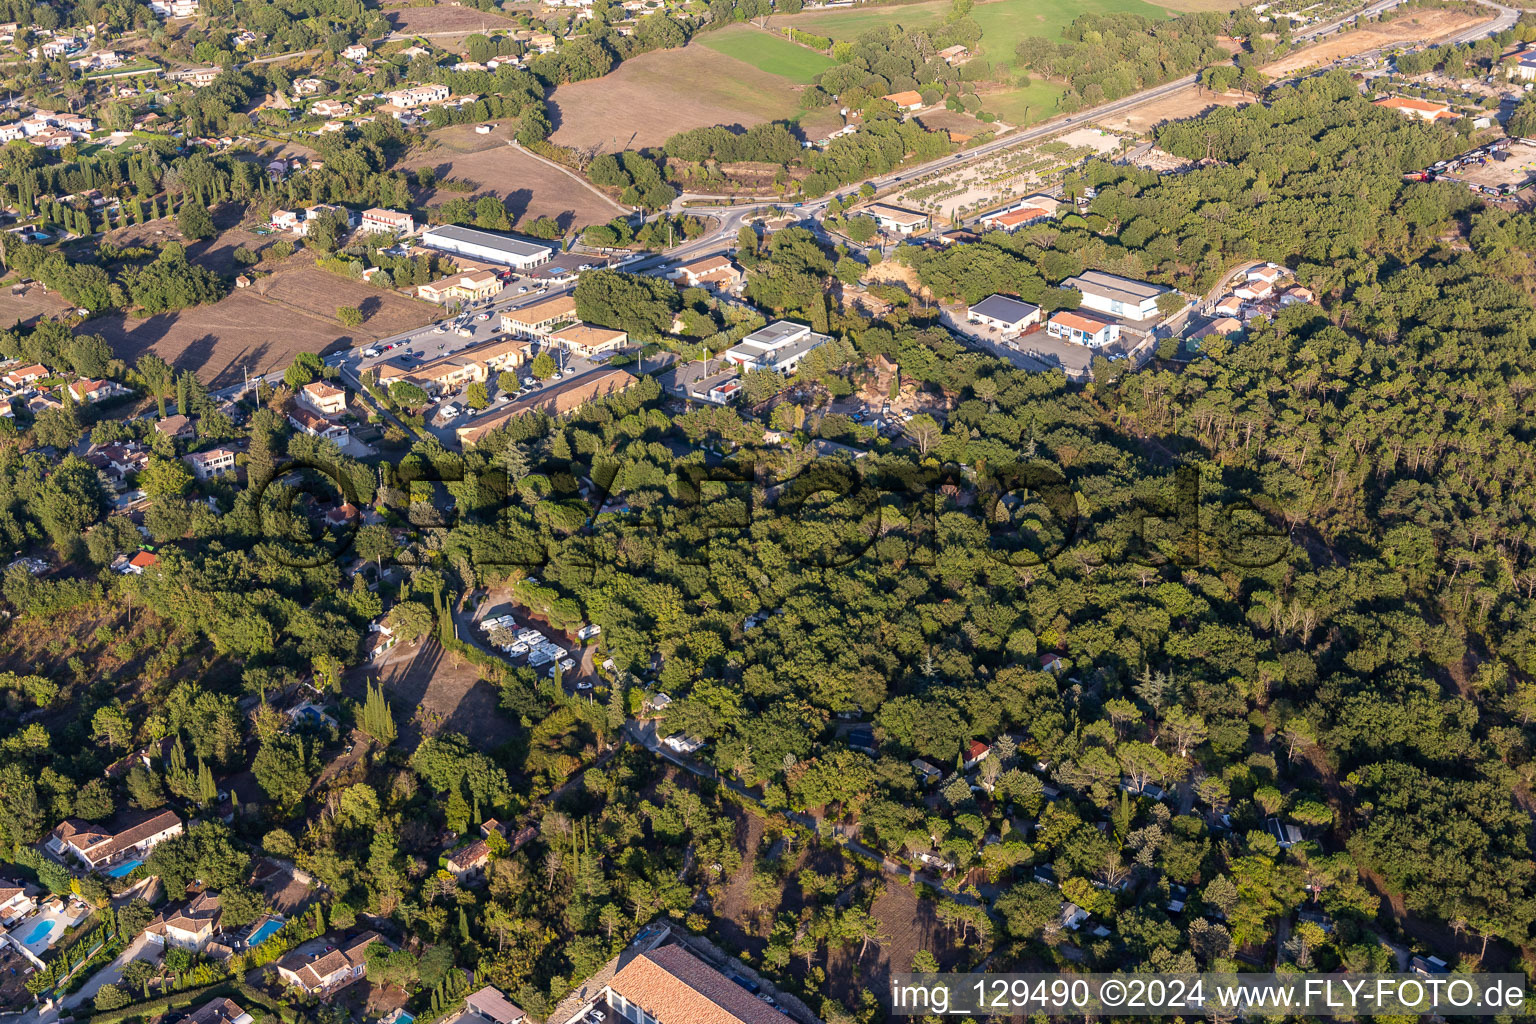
[139, 949]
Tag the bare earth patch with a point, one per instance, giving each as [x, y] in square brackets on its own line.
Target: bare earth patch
[28, 303]
[449, 18]
[1422, 27]
[529, 187]
[1190, 101]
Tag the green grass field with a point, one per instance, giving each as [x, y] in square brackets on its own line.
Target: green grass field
[1036, 102]
[767, 52]
[1003, 22]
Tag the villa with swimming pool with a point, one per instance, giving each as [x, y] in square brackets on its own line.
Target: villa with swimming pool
[115, 848]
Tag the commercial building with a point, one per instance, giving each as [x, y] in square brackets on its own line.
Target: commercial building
[1003, 314]
[475, 287]
[1117, 296]
[1424, 110]
[716, 273]
[102, 847]
[517, 253]
[779, 347]
[897, 221]
[1018, 217]
[587, 340]
[539, 319]
[560, 400]
[475, 363]
[1083, 330]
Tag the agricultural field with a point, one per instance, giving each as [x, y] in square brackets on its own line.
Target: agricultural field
[528, 186]
[26, 303]
[768, 52]
[1003, 22]
[658, 94]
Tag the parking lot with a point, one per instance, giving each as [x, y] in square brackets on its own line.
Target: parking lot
[518, 637]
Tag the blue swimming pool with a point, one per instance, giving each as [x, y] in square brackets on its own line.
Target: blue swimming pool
[123, 868]
[38, 933]
[265, 932]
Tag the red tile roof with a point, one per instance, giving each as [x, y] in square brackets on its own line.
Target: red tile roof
[676, 987]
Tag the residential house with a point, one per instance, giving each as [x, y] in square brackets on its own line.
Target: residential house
[117, 461]
[897, 221]
[325, 399]
[307, 87]
[53, 138]
[219, 1011]
[780, 347]
[1221, 327]
[954, 55]
[190, 926]
[102, 847]
[357, 51]
[24, 375]
[379, 641]
[1254, 291]
[1117, 296]
[415, 96]
[908, 100]
[1424, 110]
[489, 1006]
[1082, 330]
[1002, 313]
[197, 77]
[211, 464]
[468, 863]
[174, 8]
[324, 974]
[1297, 294]
[1427, 966]
[141, 561]
[330, 108]
[393, 222]
[1284, 833]
[1229, 306]
[716, 273]
[175, 426]
[538, 319]
[975, 753]
[669, 985]
[15, 903]
[928, 773]
[92, 391]
[587, 340]
[286, 220]
[315, 425]
[682, 744]
[475, 287]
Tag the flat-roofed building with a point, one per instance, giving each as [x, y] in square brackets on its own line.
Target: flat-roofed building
[779, 347]
[518, 253]
[1117, 296]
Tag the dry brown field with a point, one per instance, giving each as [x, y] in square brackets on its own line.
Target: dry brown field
[1421, 27]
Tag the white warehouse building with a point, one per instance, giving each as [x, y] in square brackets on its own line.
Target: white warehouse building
[518, 253]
